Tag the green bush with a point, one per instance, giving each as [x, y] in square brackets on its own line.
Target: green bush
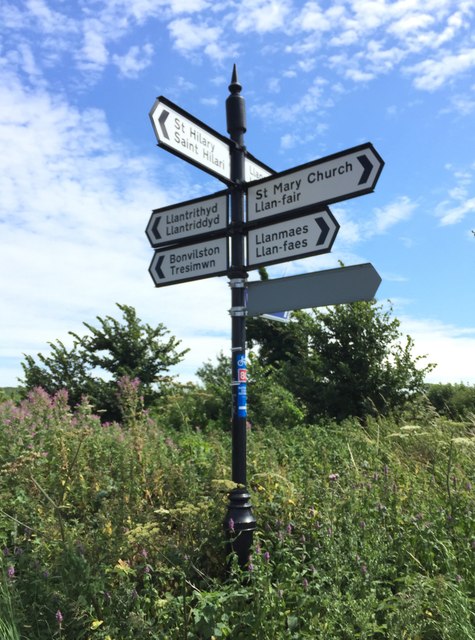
[113, 531]
[452, 400]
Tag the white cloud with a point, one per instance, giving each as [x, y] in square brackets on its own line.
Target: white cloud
[451, 348]
[190, 37]
[315, 99]
[74, 204]
[431, 74]
[459, 202]
[261, 16]
[134, 61]
[393, 213]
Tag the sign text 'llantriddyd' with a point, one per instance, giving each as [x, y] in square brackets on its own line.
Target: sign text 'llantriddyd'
[341, 176]
[187, 220]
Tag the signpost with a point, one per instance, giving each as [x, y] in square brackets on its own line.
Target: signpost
[287, 218]
[338, 177]
[296, 238]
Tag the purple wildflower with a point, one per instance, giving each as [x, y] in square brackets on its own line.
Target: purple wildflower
[289, 528]
[250, 566]
[11, 571]
[305, 583]
[363, 569]
[231, 525]
[267, 556]
[333, 477]
[59, 617]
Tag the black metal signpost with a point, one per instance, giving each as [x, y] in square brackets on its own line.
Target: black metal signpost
[192, 242]
[240, 521]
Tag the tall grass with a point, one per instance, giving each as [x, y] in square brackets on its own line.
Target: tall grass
[114, 531]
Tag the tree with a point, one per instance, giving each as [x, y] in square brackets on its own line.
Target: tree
[347, 360]
[98, 360]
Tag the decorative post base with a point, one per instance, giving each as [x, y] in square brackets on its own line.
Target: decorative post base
[240, 525]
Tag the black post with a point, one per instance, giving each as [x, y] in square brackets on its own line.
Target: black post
[240, 522]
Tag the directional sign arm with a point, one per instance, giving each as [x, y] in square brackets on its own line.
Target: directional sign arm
[318, 289]
[338, 177]
[296, 238]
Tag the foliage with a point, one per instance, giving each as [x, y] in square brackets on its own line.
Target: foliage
[452, 400]
[96, 361]
[114, 532]
[348, 360]
[270, 403]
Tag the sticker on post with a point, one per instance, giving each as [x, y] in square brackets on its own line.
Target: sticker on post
[242, 386]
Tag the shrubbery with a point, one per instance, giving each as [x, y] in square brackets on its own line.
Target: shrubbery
[114, 531]
[98, 360]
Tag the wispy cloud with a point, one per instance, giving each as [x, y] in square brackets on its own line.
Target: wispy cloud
[461, 198]
[134, 61]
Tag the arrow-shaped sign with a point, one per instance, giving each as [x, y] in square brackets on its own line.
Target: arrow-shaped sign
[192, 219]
[187, 137]
[337, 177]
[318, 289]
[299, 237]
[190, 262]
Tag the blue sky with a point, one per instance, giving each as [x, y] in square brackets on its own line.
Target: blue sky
[80, 170]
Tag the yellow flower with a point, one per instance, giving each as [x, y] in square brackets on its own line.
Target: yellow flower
[108, 528]
[123, 566]
[95, 624]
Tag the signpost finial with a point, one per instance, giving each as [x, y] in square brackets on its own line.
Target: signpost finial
[235, 86]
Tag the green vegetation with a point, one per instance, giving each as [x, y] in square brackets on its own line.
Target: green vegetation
[113, 529]
[347, 360]
[98, 360]
[456, 401]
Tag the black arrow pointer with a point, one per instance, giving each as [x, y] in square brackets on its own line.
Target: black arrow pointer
[324, 230]
[154, 229]
[158, 268]
[161, 121]
[367, 168]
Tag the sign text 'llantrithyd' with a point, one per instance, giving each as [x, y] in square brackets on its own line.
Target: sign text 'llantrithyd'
[338, 177]
[189, 262]
[188, 220]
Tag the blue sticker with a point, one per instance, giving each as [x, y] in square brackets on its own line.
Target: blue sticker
[242, 385]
